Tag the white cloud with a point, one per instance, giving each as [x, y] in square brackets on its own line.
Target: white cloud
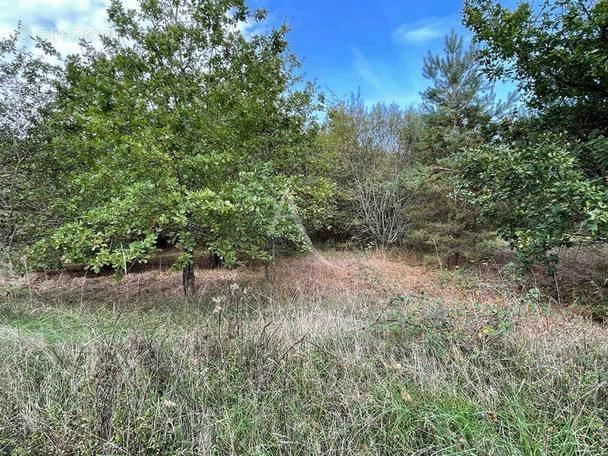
[421, 34]
[363, 68]
[251, 28]
[246, 28]
[65, 22]
[426, 29]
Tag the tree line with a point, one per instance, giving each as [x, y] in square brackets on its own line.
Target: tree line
[179, 127]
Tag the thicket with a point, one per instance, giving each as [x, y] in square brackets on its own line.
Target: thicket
[542, 181]
[395, 169]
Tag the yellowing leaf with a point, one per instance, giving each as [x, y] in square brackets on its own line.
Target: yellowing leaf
[406, 396]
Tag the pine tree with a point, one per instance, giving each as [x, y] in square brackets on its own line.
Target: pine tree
[459, 103]
[458, 107]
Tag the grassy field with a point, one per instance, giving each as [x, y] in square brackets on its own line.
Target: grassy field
[353, 355]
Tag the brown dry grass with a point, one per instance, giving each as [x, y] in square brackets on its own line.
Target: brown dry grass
[334, 274]
[327, 273]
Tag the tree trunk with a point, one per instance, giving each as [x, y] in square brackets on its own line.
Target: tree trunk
[216, 261]
[188, 278]
[454, 259]
[273, 260]
[271, 266]
[188, 271]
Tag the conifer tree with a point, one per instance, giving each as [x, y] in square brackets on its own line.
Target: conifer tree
[458, 107]
[459, 103]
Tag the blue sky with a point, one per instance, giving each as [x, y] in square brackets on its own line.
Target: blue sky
[376, 46]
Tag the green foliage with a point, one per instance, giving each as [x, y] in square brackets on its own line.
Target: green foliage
[180, 125]
[443, 223]
[543, 182]
[27, 170]
[538, 197]
[558, 55]
[459, 104]
[368, 151]
[456, 114]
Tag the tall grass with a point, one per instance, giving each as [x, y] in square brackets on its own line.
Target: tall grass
[257, 372]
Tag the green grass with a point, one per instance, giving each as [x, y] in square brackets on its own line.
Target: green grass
[260, 374]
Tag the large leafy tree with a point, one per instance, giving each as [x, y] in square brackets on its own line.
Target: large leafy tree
[558, 55]
[543, 182]
[180, 125]
[539, 196]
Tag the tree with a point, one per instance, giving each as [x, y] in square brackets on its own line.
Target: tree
[538, 196]
[557, 56]
[458, 108]
[459, 103]
[366, 147]
[180, 126]
[548, 170]
[26, 95]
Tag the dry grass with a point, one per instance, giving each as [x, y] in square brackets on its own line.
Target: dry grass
[324, 273]
[366, 354]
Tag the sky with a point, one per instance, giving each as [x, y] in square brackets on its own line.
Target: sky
[375, 47]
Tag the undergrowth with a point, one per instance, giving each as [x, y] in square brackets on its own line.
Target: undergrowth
[252, 371]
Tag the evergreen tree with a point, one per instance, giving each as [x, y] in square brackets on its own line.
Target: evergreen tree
[458, 108]
[459, 103]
